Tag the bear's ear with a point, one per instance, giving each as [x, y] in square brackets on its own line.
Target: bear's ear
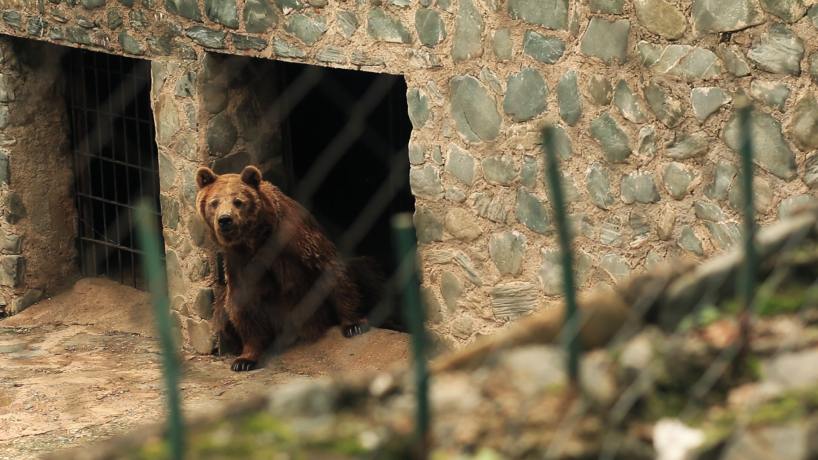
[204, 177]
[251, 176]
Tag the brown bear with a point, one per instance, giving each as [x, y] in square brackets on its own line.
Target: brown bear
[285, 279]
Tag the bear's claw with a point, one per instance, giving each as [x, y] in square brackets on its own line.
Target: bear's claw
[243, 365]
[354, 329]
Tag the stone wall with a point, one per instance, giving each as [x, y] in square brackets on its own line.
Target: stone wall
[38, 223]
[642, 91]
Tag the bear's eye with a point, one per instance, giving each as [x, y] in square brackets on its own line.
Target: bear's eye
[238, 203]
[214, 203]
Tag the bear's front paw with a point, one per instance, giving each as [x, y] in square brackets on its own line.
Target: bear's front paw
[243, 365]
[354, 329]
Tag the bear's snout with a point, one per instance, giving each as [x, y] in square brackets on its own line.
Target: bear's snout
[225, 223]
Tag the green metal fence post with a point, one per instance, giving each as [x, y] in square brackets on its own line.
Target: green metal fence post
[554, 182]
[747, 276]
[409, 284]
[147, 227]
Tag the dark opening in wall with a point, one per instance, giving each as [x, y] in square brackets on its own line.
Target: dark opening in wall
[115, 159]
[334, 140]
[346, 142]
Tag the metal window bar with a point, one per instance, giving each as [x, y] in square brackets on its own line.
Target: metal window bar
[115, 160]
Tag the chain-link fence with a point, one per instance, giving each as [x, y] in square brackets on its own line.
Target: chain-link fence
[710, 325]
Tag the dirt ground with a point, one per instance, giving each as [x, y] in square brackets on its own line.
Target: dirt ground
[83, 366]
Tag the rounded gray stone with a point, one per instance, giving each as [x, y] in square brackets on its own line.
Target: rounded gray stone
[451, 289]
[803, 126]
[812, 63]
[223, 12]
[12, 269]
[686, 146]
[221, 134]
[176, 281]
[507, 250]
[725, 15]
[259, 16]
[185, 8]
[628, 103]
[772, 152]
[733, 60]
[606, 6]
[425, 182]
[779, 50]
[428, 226]
[467, 42]
[130, 45]
[462, 224]
[646, 142]
[811, 171]
[661, 17]
[611, 138]
[431, 305]
[529, 171]
[570, 103]
[203, 305]
[762, 196]
[791, 205]
[309, 28]
[386, 28]
[787, 10]
[606, 40]
[170, 211]
[598, 183]
[430, 27]
[722, 179]
[15, 208]
[417, 153]
[10, 243]
[550, 272]
[473, 109]
[665, 107]
[201, 336]
[347, 23]
[499, 169]
[531, 212]
[197, 229]
[677, 179]
[418, 105]
[705, 210]
[600, 89]
[689, 241]
[683, 61]
[501, 43]
[460, 164]
[615, 266]
[707, 100]
[526, 94]
[547, 50]
[552, 14]
[167, 172]
[209, 38]
[639, 187]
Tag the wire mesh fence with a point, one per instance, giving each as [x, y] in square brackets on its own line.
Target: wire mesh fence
[718, 303]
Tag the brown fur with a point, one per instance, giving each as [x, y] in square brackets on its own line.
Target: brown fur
[285, 279]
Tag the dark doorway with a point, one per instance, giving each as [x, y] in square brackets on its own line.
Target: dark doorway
[346, 142]
[115, 159]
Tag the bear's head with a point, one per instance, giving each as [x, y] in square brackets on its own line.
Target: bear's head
[230, 204]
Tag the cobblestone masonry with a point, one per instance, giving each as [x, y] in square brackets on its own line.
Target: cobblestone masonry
[37, 223]
[642, 91]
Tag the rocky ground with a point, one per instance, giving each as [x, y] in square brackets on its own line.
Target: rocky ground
[674, 387]
[83, 367]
